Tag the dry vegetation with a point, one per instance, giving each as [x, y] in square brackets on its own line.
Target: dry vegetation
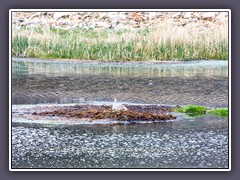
[164, 43]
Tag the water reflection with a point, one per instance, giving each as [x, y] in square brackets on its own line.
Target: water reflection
[203, 82]
[207, 68]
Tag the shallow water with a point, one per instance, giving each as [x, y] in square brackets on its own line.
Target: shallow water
[190, 143]
[200, 142]
[203, 83]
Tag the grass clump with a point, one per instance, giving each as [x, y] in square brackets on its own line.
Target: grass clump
[163, 43]
[195, 110]
[222, 112]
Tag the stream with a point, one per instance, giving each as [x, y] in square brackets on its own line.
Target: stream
[189, 142]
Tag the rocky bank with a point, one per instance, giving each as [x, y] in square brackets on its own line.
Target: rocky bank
[119, 20]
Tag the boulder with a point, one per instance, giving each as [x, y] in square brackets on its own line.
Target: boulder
[208, 15]
[58, 15]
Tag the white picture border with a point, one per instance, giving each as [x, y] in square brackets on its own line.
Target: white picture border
[116, 10]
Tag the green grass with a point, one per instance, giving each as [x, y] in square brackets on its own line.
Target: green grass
[195, 110]
[223, 112]
[116, 45]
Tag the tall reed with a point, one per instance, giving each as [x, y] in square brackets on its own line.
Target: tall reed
[164, 43]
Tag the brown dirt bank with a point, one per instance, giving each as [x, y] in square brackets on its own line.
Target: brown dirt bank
[94, 112]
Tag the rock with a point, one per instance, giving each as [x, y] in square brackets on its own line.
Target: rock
[134, 24]
[113, 24]
[58, 15]
[187, 15]
[138, 17]
[36, 21]
[123, 26]
[21, 20]
[34, 15]
[119, 20]
[208, 15]
[103, 15]
[152, 15]
[101, 24]
[177, 15]
[196, 15]
[115, 18]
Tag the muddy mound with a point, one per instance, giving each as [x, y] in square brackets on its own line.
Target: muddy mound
[135, 113]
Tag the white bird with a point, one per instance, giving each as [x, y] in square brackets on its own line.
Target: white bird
[117, 106]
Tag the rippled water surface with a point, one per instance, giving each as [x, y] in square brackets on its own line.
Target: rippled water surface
[198, 82]
[200, 142]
